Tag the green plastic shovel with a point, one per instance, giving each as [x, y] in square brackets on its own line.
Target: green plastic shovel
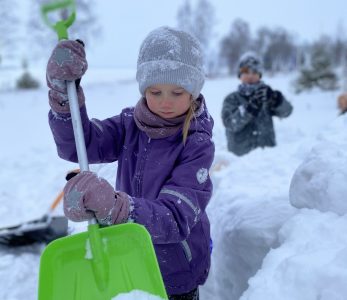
[103, 262]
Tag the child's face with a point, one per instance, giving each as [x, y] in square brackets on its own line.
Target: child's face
[249, 77]
[167, 101]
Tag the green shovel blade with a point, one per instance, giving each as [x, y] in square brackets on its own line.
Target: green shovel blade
[67, 267]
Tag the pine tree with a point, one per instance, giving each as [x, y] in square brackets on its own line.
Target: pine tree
[320, 71]
[26, 80]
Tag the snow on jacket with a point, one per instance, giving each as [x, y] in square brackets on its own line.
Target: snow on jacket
[168, 182]
[245, 131]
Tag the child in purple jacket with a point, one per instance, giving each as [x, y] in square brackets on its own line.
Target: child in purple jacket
[164, 151]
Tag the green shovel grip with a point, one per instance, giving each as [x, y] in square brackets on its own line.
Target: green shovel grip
[99, 261]
[59, 27]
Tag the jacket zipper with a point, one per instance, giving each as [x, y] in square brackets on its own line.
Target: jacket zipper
[141, 168]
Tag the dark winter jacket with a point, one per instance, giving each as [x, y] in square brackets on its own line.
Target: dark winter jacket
[247, 130]
[168, 181]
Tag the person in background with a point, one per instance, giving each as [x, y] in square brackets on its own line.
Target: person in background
[164, 151]
[342, 103]
[247, 113]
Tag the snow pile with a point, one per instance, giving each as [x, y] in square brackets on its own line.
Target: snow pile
[311, 263]
[249, 206]
[244, 236]
[136, 295]
[321, 180]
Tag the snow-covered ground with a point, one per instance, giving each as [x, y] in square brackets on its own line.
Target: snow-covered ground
[278, 215]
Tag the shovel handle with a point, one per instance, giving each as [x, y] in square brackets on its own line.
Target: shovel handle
[56, 201]
[61, 26]
[77, 126]
[99, 261]
[78, 131]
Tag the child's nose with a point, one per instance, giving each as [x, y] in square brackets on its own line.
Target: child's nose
[167, 99]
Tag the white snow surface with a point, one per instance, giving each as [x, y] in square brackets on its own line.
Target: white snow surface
[278, 216]
[136, 295]
[319, 182]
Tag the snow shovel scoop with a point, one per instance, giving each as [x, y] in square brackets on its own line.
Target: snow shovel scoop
[103, 262]
[45, 229]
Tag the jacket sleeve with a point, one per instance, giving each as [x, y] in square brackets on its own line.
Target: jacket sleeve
[183, 198]
[104, 139]
[283, 109]
[234, 114]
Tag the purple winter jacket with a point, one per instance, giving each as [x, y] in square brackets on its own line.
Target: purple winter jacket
[169, 184]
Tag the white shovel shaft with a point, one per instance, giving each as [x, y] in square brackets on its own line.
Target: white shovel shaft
[77, 126]
[78, 130]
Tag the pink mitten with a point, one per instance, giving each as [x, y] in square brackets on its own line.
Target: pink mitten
[87, 195]
[67, 62]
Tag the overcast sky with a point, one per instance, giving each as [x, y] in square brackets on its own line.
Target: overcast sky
[125, 23]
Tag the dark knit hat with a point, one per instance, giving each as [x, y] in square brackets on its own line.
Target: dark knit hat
[170, 56]
[250, 61]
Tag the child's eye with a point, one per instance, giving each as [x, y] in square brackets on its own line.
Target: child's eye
[155, 93]
[177, 93]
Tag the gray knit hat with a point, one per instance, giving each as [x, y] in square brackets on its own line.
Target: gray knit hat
[169, 56]
[250, 61]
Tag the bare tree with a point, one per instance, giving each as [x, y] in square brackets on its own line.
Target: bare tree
[340, 45]
[204, 19]
[278, 49]
[235, 44]
[185, 17]
[8, 28]
[344, 73]
[339, 50]
[280, 54]
[199, 22]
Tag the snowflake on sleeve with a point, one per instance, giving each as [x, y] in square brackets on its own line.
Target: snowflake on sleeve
[202, 175]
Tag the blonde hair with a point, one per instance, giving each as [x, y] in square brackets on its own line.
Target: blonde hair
[189, 117]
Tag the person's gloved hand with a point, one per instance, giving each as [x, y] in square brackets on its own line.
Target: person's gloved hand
[66, 63]
[264, 93]
[254, 105]
[87, 195]
[276, 99]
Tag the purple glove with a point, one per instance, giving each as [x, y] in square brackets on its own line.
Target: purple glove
[87, 195]
[67, 62]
